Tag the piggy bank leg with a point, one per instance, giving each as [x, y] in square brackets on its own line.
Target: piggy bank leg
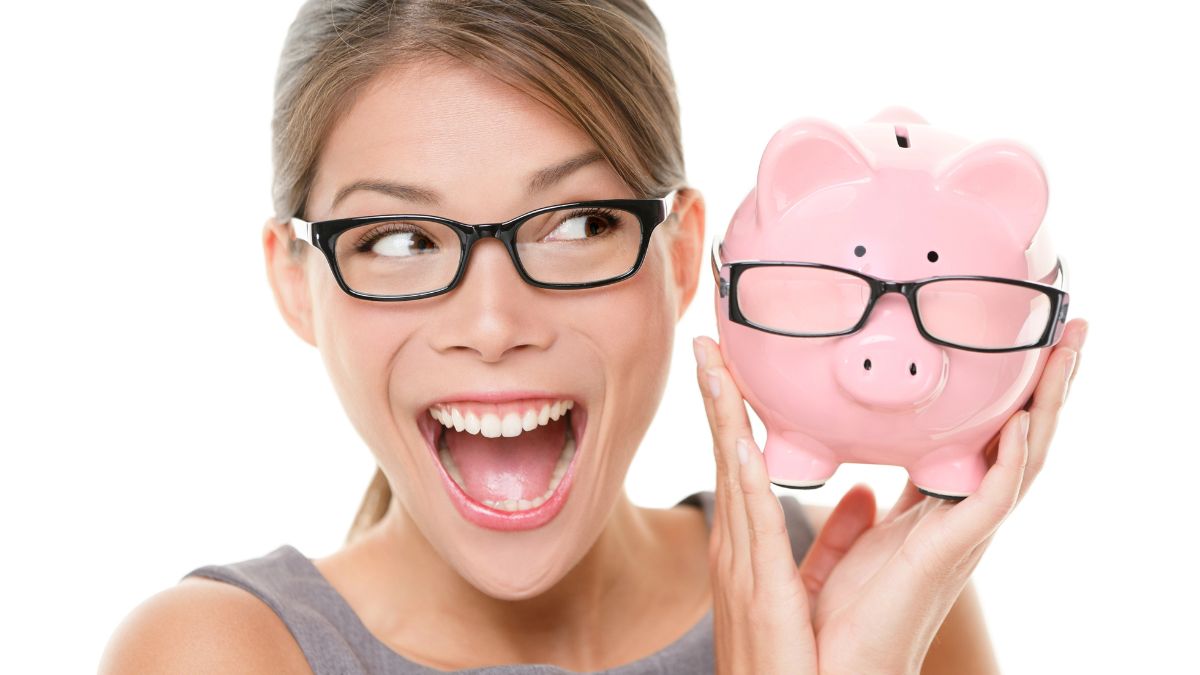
[798, 461]
[949, 473]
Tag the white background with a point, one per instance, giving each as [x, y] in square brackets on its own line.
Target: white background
[158, 415]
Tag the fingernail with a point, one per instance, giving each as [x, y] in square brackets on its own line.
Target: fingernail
[1024, 423]
[1083, 335]
[701, 355]
[714, 384]
[743, 451]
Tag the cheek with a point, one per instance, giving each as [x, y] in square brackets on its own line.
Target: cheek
[358, 340]
[635, 331]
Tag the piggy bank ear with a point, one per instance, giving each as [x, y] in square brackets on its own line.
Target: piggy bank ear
[803, 157]
[1004, 175]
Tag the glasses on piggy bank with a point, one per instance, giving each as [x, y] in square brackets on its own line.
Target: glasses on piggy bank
[970, 312]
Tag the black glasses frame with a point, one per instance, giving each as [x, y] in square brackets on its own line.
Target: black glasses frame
[323, 234]
[1055, 322]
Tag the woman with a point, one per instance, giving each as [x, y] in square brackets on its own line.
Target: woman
[504, 386]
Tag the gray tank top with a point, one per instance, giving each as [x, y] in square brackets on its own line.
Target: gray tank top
[334, 639]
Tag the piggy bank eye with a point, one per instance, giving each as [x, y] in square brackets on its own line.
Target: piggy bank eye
[932, 256]
[860, 251]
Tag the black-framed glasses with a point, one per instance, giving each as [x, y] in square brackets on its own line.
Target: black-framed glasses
[975, 313]
[575, 245]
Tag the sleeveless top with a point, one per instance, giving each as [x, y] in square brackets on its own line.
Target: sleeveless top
[334, 639]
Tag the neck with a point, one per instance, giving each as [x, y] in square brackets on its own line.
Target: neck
[578, 620]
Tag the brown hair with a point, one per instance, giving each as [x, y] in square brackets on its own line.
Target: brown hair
[602, 64]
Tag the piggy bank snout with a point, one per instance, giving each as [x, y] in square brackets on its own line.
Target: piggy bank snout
[892, 370]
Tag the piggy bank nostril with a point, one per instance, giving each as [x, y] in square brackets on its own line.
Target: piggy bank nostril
[867, 364]
[912, 369]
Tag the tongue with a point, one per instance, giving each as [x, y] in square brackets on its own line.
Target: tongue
[517, 467]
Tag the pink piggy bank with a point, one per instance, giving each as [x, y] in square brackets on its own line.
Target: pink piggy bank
[886, 295]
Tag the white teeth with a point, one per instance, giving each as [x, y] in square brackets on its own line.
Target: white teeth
[489, 425]
[492, 425]
[451, 468]
[511, 426]
[560, 468]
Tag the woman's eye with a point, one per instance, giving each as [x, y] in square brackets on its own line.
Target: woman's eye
[398, 244]
[582, 226]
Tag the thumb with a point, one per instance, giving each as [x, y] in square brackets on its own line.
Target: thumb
[853, 515]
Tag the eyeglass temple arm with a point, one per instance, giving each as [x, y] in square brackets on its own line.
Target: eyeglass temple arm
[1057, 276]
[715, 256]
[668, 201]
[1060, 272]
[301, 229]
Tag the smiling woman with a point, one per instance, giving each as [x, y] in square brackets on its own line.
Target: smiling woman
[503, 386]
[516, 539]
[495, 338]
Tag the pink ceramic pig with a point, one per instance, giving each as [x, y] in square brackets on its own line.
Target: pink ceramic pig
[838, 366]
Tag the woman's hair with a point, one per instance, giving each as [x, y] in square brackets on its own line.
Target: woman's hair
[602, 64]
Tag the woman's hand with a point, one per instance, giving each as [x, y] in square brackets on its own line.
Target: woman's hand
[877, 593]
[894, 582]
[761, 611]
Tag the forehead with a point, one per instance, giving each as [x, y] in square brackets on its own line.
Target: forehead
[447, 126]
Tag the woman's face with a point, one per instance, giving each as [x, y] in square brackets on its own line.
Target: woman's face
[494, 345]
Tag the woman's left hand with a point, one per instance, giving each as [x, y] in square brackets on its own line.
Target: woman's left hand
[879, 592]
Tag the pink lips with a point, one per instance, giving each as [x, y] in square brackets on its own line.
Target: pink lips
[481, 514]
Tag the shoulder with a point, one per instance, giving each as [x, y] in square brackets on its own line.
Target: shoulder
[202, 625]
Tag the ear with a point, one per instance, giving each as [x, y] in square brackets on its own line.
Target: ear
[289, 279]
[687, 245]
[803, 157]
[1004, 175]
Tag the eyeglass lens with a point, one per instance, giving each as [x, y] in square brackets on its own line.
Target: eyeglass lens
[414, 255]
[802, 299]
[815, 301]
[984, 314]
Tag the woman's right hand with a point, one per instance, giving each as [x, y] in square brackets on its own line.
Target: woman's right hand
[886, 587]
[761, 614]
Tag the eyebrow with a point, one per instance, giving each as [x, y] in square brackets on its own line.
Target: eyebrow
[550, 175]
[410, 193]
[540, 180]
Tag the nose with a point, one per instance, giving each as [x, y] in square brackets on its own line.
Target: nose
[493, 311]
[888, 365]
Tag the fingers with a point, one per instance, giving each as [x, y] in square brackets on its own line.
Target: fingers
[770, 546]
[909, 497]
[756, 528]
[761, 615]
[853, 515]
[728, 422]
[977, 517]
[1050, 395]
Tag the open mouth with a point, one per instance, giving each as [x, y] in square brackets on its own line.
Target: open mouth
[506, 465]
